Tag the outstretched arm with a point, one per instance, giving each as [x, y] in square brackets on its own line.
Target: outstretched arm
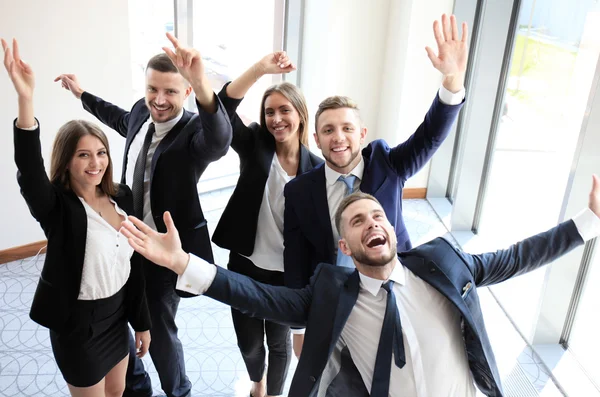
[541, 249]
[279, 304]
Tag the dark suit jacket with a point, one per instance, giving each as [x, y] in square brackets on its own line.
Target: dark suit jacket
[177, 164]
[236, 230]
[64, 221]
[308, 236]
[324, 306]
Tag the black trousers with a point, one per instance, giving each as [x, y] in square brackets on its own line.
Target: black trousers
[166, 350]
[251, 332]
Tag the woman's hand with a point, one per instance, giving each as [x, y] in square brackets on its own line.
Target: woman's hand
[19, 72]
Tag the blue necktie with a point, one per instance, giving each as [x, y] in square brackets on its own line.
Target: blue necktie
[341, 259]
[390, 339]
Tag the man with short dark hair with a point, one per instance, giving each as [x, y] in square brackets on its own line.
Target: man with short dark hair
[166, 151]
[409, 323]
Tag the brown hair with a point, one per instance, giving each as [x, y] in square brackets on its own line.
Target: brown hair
[336, 102]
[162, 63]
[296, 98]
[346, 202]
[63, 150]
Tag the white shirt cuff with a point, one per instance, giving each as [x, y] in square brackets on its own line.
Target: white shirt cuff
[35, 126]
[197, 277]
[451, 98]
[587, 224]
[298, 331]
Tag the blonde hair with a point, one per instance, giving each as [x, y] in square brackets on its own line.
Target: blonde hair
[296, 98]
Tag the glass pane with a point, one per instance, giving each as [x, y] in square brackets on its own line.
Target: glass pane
[149, 20]
[231, 36]
[552, 67]
[584, 338]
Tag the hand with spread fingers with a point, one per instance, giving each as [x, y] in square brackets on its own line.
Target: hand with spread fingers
[188, 60]
[164, 249]
[453, 52]
[70, 82]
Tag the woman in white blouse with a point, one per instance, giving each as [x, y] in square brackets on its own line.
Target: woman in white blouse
[90, 286]
[251, 227]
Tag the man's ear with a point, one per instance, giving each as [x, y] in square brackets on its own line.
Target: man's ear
[188, 91]
[344, 248]
[316, 136]
[363, 134]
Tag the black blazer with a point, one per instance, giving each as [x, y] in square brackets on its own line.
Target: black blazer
[255, 145]
[64, 221]
[323, 307]
[308, 236]
[179, 161]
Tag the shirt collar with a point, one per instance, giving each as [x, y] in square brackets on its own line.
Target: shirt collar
[332, 176]
[373, 285]
[163, 128]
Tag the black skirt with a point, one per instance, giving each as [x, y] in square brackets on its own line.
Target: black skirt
[96, 340]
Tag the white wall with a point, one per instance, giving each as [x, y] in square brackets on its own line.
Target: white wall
[373, 52]
[89, 38]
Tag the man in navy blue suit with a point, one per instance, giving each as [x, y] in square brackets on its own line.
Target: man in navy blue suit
[167, 149]
[409, 324]
[311, 199]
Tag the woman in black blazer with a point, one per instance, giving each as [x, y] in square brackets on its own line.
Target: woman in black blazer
[91, 286]
[251, 226]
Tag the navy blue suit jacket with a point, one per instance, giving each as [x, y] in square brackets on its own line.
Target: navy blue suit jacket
[308, 237]
[178, 162]
[323, 306]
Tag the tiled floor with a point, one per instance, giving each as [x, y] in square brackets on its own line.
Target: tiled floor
[214, 365]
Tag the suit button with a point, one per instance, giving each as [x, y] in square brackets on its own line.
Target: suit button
[432, 270]
[312, 379]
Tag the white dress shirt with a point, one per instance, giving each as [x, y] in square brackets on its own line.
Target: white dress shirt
[268, 243]
[436, 363]
[106, 262]
[161, 130]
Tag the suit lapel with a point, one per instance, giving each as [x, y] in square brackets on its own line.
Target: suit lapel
[304, 163]
[348, 297]
[433, 275]
[319, 197]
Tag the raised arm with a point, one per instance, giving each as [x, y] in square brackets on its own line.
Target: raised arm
[541, 249]
[296, 264]
[33, 180]
[451, 60]
[108, 114]
[213, 135]
[232, 94]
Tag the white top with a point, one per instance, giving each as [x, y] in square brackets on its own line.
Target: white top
[268, 243]
[161, 130]
[106, 264]
[435, 355]
[431, 330]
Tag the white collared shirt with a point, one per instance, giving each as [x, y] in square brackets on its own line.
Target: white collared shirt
[268, 243]
[161, 130]
[431, 330]
[106, 262]
[336, 191]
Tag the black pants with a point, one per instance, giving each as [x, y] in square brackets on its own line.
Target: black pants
[251, 332]
[166, 350]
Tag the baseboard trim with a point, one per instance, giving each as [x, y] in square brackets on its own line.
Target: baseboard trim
[29, 250]
[414, 193]
[22, 251]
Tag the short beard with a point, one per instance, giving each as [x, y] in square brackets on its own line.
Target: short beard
[352, 158]
[362, 257]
